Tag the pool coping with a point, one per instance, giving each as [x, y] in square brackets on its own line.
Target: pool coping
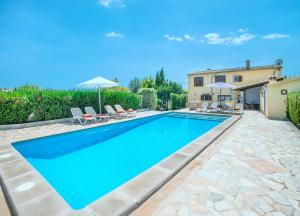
[28, 193]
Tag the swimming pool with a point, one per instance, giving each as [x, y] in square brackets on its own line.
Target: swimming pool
[85, 165]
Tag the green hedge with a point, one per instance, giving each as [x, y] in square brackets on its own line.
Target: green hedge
[293, 108]
[178, 101]
[149, 97]
[22, 106]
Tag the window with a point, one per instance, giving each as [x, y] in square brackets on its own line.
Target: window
[198, 81]
[205, 97]
[224, 98]
[237, 78]
[220, 78]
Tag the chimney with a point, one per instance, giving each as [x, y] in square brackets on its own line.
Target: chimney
[247, 64]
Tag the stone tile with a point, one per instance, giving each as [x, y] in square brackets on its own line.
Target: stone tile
[113, 204]
[223, 205]
[174, 162]
[7, 156]
[265, 166]
[279, 198]
[47, 205]
[145, 184]
[24, 188]
[192, 148]
[14, 168]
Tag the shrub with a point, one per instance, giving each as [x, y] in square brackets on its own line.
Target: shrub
[23, 105]
[149, 97]
[293, 108]
[175, 101]
[183, 100]
[178, 101]
[160, 104]
[14, 110]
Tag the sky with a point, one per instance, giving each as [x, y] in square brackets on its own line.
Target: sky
[60, 43]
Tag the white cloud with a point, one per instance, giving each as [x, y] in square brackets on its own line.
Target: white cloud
[242, 30]
[215, 38]
[173, 38]
[185, 37]
[114, 34]
[188, 37]
[275, 36]
[109, 3]
[242, 39]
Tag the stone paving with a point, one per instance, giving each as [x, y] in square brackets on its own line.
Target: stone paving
[253, 169]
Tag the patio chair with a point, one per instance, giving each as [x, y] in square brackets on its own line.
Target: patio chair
[213, 107]
[202, 107]
[99, 117]
[130, 112]
[112, 113]
[239, 108]
[79, 116]
[227, 107]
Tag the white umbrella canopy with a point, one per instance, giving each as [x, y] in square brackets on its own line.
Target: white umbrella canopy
[221, 85]
[98, 82]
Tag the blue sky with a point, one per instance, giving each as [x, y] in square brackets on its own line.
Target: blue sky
[59, 43]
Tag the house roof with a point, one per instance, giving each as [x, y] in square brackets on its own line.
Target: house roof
[257, 84]
[252, 85]
[273, 66]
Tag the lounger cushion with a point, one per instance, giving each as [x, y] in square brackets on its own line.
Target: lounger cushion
[102, 115]
[87, 115]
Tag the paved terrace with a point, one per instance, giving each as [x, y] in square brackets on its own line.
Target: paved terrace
[252, 169]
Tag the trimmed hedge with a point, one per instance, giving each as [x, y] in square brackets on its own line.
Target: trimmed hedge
[293, 108]
[178, 101]
[149, 97]
[22, 106]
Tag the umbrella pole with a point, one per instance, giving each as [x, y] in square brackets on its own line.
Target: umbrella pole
[99, 101]
[220, 97]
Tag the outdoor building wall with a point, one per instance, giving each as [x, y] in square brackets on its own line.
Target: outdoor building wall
[261, 99]
[249, 77]
[276, 102]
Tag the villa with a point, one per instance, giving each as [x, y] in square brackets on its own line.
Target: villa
[256, 87]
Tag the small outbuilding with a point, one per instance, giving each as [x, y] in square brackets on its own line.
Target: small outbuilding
[273, 96]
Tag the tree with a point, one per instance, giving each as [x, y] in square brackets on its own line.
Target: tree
[134, 85]
[175, 87]
[148, 82]
[160, 78]
[163, 93]
[149, 97]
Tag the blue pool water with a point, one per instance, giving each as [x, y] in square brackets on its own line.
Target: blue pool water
[85, 165]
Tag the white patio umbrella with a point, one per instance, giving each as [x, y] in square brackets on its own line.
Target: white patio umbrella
[98, 83]
[221, 85]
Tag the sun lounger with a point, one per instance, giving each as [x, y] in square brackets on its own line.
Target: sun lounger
[79, 116]
[99, 117]
[213, 107]
[112, 113]
[239, 109]
[130, 112]
[227, 107]
[202, 107]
